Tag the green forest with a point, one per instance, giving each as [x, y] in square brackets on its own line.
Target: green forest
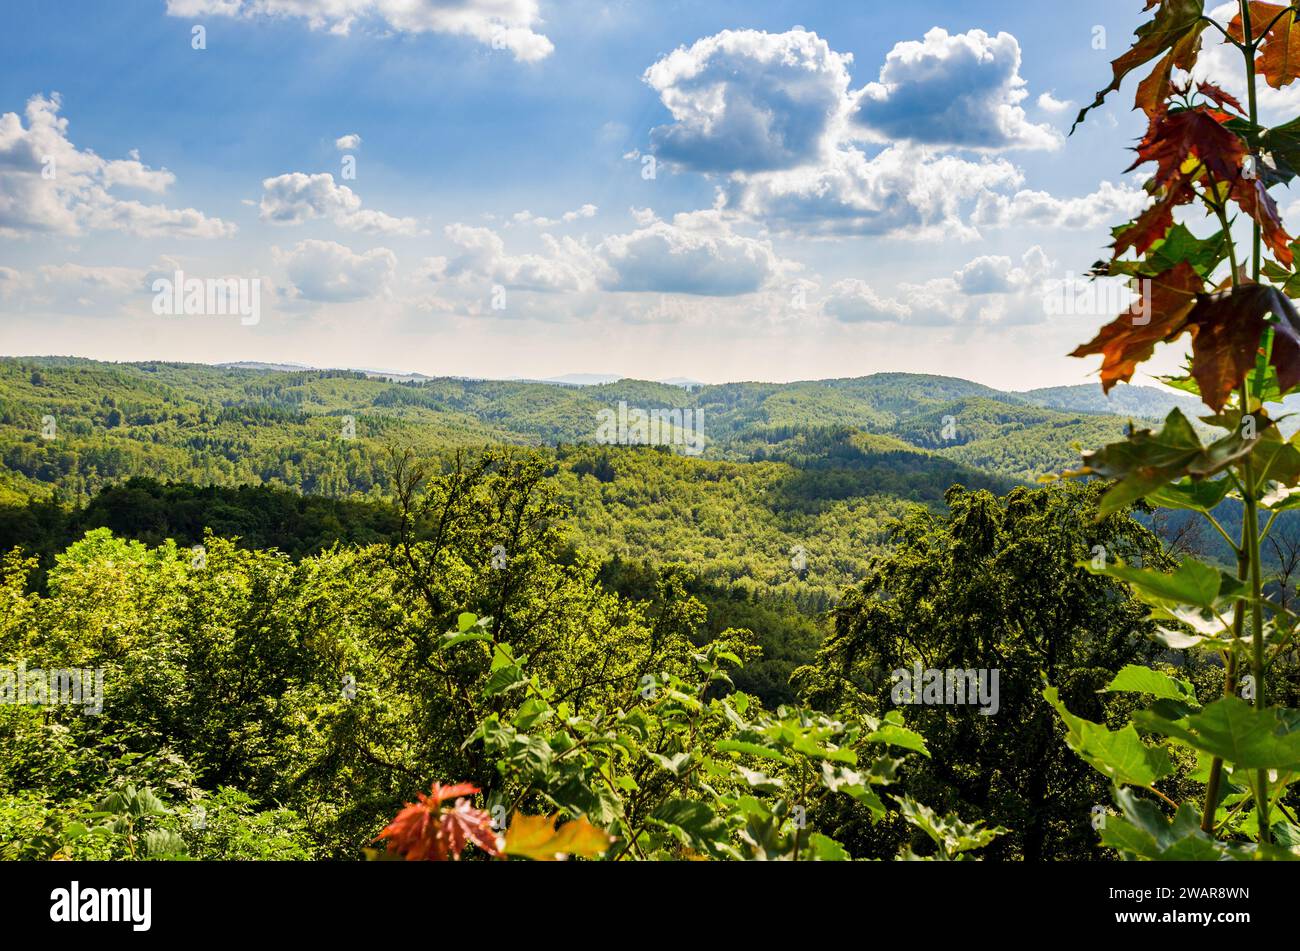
[312, 595]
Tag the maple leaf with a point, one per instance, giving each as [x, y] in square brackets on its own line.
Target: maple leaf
[1279, 35]
[1218, 96]
[1147, 460]
[537, 838]
[1176, 31]
[1251, 194]
[1187, 146]
[1168, 299]
[430, 831]
[1226, 331]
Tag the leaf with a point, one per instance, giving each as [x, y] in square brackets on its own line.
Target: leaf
[1147, 461]
[1226, 337]
[675, 764]
[951, 834]
[1176, 29]
[1143, 831]
[692, 823]
[451, 639]
[1279, 58]
[503, 680]
[1135, 679]
[1130, 339]
[1192, 582]
[892, 734]
[1190, 495]
[537, 838]
[753, 749]
[1230, 728]
[1120, 755]
[1178, 245]
[465, 621]
[430, 831]
[825, 849]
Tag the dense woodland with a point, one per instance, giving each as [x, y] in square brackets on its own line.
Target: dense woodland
[470, 589]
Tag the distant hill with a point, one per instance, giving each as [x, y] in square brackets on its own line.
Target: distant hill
[1142, 402]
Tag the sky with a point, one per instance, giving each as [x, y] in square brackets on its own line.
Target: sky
[713, 190]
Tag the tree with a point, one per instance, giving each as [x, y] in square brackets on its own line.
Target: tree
[993, 585]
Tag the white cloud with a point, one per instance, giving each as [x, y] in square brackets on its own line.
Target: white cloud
[775, 115]
[502, 24]
[990, 289]
[296, 197]
[1110, 202]
[697, 253]
[747, 101]
[348, 143]
[330, 272]
[960, 90]
[566, 265]
[1049, 103]
[854, 302]
[526, 217]
[48, 185]
[905, 190]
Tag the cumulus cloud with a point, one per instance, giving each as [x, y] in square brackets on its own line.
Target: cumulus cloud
[960, 90]
[348, 143]
[1049, 103]
[1110, 202]
[697, 253]
[329, 272]
[48, 185]
[749, 101]
[526, 217]
[565, 265]
[854, 302]
[774, 116]
[502, 24]
[990, 289]
[904, 190]
[296, 197]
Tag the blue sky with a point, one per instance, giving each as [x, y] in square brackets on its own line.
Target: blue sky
[838, 188]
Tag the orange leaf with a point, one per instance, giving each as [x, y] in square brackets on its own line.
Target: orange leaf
[1131, 338]
[536, 838]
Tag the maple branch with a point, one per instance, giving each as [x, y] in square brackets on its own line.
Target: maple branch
[1227, 37]
[1256, 40]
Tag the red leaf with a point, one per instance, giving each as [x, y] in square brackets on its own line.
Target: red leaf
[429, 831]
[1175, 30]
[1218, 96]
[1127, 341]
[1226, 332]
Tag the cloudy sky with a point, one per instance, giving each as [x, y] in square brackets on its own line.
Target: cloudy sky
[718, 190]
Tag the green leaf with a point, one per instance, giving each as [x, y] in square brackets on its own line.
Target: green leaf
[465, 621]
[1120, 755]
[1135, 679]
[1192, 582]
[1148, 460]
[1143, 831]
[825, 849]
[1230, 728]
[753, 749]
[693, 823]
[1192, 496]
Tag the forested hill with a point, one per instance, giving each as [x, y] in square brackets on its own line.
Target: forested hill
[228, 425]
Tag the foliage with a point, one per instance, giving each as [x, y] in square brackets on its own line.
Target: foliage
[1207, 148]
